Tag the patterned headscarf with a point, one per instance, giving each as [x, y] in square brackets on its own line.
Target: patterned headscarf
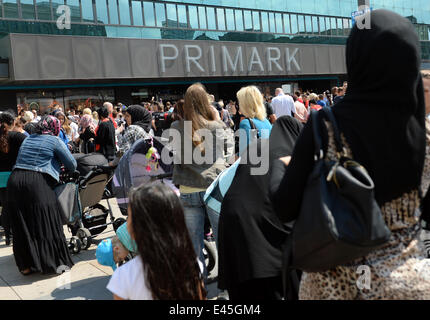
[87, 121]
[48, 125]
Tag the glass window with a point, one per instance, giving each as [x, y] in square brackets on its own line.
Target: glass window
[230, 19]
[340, 27]
[272, 22]
[160, 13]
[194, 22]
[171, 15]
[202, 18]
[221, 19]
[333, 27]
[55, 5]
[239, 20]
[136, 7]
[308, 24]
[124, 12]
[346, 26]
[148, 10]
[264, 22]
[315, 24]
[278, 20]
[43, 10]
[301, 22]
[75, 10]
[287, 23]
[256, 20]
[294, 28]
[87, 10]
[113, 12]
[102, 15]
[10, 8]
[322, 25]
[248, 20]
[328, 26]
[27, 9]
[211, 18]
[182, 16]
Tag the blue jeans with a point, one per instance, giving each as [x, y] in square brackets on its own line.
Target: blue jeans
[195, 210]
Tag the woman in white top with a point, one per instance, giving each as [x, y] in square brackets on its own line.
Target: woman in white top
[166, 267]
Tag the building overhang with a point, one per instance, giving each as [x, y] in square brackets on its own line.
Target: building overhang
[51, 58]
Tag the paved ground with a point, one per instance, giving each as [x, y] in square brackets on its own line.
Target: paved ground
[87, 279]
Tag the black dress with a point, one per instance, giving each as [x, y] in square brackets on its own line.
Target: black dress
[38, 242]
[251, 236]
[7, 161]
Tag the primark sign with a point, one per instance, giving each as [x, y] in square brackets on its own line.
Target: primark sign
[74, 57]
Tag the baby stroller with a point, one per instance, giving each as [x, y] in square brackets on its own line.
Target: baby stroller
[140, 165]
[91, 184]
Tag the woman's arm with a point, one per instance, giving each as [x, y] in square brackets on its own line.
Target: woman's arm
[63, 153]
[289, 182]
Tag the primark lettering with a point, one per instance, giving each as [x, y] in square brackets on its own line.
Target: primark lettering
[238, 59]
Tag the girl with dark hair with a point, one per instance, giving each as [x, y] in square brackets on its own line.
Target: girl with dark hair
[10, 142]
[39, 244]
[166, 267]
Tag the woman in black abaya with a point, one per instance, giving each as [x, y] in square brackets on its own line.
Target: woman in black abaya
[250, 234]
[383, 128]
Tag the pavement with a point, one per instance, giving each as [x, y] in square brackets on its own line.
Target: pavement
[86, 280]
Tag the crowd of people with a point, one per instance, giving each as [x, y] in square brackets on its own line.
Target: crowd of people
[383, 127]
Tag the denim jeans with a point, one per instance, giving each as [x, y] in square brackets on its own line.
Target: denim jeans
[195, 210]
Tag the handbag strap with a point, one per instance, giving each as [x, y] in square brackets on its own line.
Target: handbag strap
[319, 153]
[337, 139]
[253, 127]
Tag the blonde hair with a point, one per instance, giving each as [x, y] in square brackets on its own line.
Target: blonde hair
[251, 103]
[95, 115]
[313, 96]
[425, 74]
[87, 111]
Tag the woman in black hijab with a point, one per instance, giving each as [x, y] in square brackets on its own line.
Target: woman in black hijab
[250, 234]
[383, 128]
[138, 126]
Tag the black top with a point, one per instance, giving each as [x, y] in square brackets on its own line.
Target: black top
[105, 138]
[250, 234]
[7, 160]
[87, 134]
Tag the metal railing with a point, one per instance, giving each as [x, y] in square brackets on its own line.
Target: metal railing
[183, 16]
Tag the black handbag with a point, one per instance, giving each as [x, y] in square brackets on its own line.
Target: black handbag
[339, 220]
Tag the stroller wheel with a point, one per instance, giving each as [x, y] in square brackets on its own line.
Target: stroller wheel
[117, 223]
[75, 245]
[85, 236]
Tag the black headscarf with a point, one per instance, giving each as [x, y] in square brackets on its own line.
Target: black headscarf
[382, 114]
[140, 117]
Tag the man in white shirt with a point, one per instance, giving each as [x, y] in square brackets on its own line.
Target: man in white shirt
[283, 104]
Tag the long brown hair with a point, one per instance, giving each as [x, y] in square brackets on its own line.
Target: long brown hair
[5, 118]
[158, 226]
[197, 109]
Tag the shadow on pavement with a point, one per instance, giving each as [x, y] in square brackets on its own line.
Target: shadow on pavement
[87, 289]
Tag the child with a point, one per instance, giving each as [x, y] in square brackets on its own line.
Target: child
[166, 267]
[110, 252]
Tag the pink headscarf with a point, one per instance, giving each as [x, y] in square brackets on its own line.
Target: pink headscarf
[87, 121]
